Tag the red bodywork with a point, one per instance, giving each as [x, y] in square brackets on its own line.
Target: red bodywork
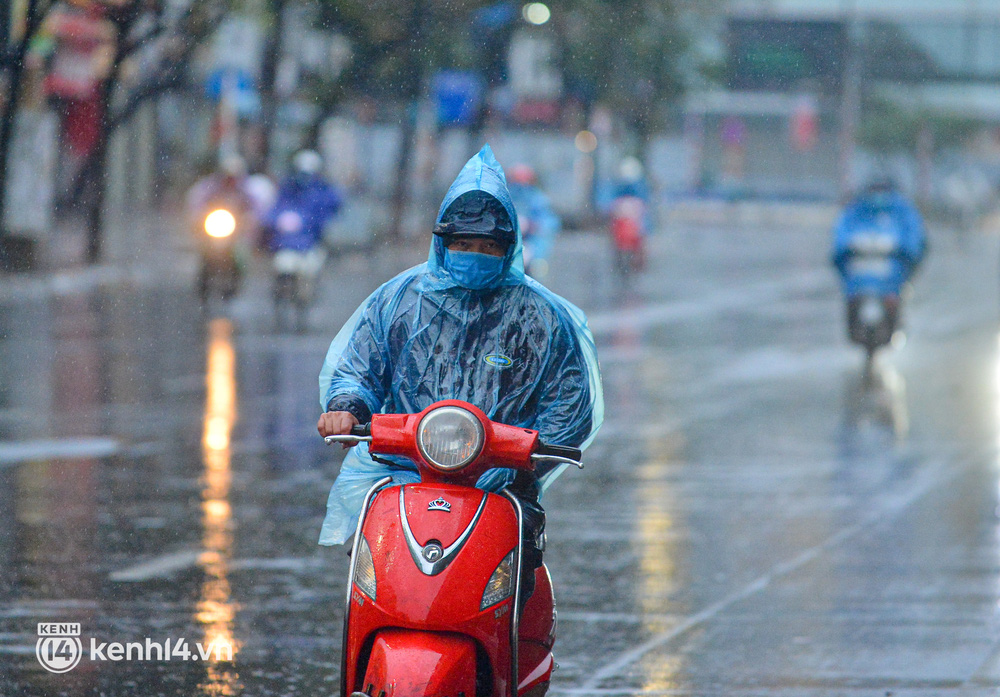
[425, 632]
[627, 213]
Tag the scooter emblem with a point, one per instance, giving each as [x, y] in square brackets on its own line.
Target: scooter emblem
[439, 504]
[443, 556]
[433, 551]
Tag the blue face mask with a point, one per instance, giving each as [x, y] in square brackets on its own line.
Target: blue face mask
[473, 270]
[880, 200]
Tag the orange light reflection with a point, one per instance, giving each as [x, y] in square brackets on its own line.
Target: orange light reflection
[216, 609]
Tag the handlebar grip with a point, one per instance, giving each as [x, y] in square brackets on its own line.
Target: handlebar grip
[362, 430]
[559, 451]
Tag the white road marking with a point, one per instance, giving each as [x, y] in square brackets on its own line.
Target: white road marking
[168, 564]
[622, 617]
[278, 564]
[157, 568]
[47, 608]
[651, 315]
[13, 452]
[933, 478]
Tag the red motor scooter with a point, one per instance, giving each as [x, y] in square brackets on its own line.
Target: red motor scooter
[434, 594]
[626, 224]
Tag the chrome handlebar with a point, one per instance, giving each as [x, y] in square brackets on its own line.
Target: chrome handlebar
[537, 457]
[546, 453]
[349, 439]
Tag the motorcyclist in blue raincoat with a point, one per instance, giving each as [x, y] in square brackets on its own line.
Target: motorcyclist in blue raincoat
[305, 203]
[879, 221]
[538, 223]
[467, 324]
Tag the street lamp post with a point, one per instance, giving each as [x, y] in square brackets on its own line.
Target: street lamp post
[850, 103]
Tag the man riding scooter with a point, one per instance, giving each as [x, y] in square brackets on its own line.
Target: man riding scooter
[878, 243]
[293, 232]
[466, 325]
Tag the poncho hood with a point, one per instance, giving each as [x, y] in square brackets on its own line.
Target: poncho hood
[482, 173]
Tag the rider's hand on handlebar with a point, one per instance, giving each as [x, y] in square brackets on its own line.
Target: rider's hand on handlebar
[337, 423]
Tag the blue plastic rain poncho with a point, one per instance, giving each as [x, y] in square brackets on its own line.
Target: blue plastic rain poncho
[887, 221]
[514, 349]
[532, 204]
[296, 221]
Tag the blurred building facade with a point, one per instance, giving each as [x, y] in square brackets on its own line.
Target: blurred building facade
[816, 95]
[786, 99]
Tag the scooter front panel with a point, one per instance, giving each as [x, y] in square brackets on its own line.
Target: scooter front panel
[406, 664]
[448, 601]
[489, 630]
[440, 527]
[454, 592]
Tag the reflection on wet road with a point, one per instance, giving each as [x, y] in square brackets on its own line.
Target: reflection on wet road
[758, 516]
[216, 609]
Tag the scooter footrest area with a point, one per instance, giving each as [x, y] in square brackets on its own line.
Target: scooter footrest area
[535, 664]
[405, 663]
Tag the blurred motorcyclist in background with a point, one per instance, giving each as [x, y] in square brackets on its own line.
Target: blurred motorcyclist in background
[968, 195]
[263, 192]
[224, 217]
[538, 222]
[628, 216]
[879, 241]
[293, 230]
[882, 209]
[225, 186]
[306, 202]
[631, 179]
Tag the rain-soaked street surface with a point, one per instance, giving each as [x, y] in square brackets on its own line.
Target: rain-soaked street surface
[755, 517]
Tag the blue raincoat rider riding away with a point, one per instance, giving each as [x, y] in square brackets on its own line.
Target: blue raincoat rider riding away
[469, 325]
[883, 216]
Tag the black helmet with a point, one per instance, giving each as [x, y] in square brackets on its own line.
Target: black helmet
[476, 214]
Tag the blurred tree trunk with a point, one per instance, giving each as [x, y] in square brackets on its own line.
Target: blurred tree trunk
[269, 76]
[925, 163]
[95, 209]
[200, 21]
[413, 78]
[33, 20]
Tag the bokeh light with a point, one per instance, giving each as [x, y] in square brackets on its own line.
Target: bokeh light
[536, 13]
[220, 223]
[585, 141]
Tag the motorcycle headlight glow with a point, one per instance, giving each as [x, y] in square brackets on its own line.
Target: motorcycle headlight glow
[501, 583]
[871, 311]
[364, 570]
[220, 223]
[449, 438]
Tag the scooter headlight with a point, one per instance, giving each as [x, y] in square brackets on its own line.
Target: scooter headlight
[220, 223]
[449, 438]
[501, 583]
[364, 570]
[872, 311]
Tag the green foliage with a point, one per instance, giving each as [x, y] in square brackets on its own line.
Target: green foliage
[622, 52]
[396, 42]
[887, 127]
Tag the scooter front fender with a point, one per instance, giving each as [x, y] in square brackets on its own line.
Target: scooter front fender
[411, 663]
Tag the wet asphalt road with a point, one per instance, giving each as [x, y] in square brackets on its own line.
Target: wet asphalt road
[755, 517]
